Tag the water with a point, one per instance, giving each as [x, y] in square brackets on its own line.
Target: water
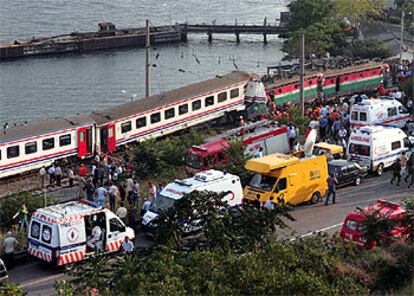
[38, 88]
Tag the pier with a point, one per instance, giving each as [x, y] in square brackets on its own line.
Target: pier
[109, 37]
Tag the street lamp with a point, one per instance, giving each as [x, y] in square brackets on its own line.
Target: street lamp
[132, 96]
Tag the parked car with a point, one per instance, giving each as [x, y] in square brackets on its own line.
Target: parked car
[4, 276]
[347, 172]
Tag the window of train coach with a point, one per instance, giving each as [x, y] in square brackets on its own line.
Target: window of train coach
[13, 151]
[30, 148]
[234, 93]
[126, 127]
[48, 144]
[169, 113]
[209, 101]
[222, 97]
[196, 105]
[66, 140]
[141, 122]
[183, 109]
[156, 117]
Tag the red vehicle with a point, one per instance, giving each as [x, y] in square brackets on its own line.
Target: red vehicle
[352, 226]
[263, 134]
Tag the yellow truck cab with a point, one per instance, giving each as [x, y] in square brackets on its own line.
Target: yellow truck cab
[287, 179]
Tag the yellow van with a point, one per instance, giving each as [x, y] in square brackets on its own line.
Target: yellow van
[287, 179]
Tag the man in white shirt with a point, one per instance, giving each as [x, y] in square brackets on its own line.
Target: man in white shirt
[101, 193]
[95, 240]
[113, 193]
[42, 173]
[9, 244]
[58, 174]
[51, 172]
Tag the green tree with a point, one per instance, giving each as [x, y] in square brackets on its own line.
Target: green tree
[323, 36]
[304, 13]
[357, 11]
[370, 49]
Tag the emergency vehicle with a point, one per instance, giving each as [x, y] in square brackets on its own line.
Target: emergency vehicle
[210, 181]
[383, 111]
[264, 134]
[352, 228]
[60, 234]
[377, 147]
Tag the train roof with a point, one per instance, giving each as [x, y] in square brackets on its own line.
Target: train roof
[327, 74]
[170, 97]
[44, 127]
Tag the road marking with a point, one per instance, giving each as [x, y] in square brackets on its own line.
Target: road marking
[316, 232]
[41, 280]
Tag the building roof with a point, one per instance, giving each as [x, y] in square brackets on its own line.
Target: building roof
[44, 127]
[169, 97]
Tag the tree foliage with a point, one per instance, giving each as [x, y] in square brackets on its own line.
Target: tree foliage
[304, 13]
[370, 49]
[358, 10]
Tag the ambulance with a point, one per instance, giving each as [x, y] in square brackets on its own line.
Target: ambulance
[60, 234]
[210, 181]
[384, 111]
[377, 147]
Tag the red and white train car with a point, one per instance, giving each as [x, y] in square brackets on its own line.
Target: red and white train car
[30, 147]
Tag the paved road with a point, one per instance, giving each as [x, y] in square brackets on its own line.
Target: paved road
[38, 279]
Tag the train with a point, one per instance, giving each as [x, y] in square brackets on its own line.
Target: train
[224, 97]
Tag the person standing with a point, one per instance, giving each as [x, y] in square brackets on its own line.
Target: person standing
[146, 205]
[58, 174]
[51, 172]
[291, 136]
[127, 246]
[101, 193]
[323, 123]
[89, 190]
[122, 213]
[122, 192]
[42, 174]
[159, 189]
[410, 170]
[9, 244]
[82, 171]
[113, 193]
[403, 163]
[135, 193]
[332, 182]
[23, 221]
[130, 183]
[151, 192]
[396, 172]
[71, 176]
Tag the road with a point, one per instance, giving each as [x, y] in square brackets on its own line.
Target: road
[38, 279]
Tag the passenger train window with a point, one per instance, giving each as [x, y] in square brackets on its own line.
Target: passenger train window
[183, 109]
[209, 101]
[141, 122]
[13, 151]
[65, 140]
[222, 97]
[30, 148]
[169, 113]
[392, 111]
[126, 127]
[48, 144]
[196, 105]
[234, 93]
[156, 117]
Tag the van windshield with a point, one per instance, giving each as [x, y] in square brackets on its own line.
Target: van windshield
[358, 149]
[262, 182]
[162, 203]
[354, 225]
[194, 161]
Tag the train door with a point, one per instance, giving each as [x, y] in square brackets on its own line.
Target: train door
[82, 143]
[107, 138]
[338, 84]
[111, 137]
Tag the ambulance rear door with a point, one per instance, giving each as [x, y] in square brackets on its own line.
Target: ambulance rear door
[43, 239]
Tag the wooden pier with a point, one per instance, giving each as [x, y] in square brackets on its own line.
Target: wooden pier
[109, 37]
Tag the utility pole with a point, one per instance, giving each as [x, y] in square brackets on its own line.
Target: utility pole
[302, 74]
[402, 36]
[147, 60]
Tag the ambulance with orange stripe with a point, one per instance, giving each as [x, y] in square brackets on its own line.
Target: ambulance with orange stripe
[59, 234]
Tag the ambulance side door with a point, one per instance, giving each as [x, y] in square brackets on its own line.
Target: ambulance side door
[115, 233]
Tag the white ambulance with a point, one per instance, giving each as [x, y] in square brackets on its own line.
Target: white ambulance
[211, 180]
[61, 234]
[377, 147]
[385, 111]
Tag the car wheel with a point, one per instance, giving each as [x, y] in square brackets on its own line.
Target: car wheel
[315, 198]
[380, 169]
[69, 266]
[358, 181]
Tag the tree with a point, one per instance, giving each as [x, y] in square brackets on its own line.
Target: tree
[358, 10]
[370, 49]
[320, 37]
[304, 13]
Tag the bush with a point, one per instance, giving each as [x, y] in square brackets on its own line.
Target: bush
[370, 49]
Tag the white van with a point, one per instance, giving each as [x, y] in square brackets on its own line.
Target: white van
[385, 111]
[377, 147]
[211, 180]
[60, 234]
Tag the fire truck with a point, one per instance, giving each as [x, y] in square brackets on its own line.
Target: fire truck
[259, 138]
